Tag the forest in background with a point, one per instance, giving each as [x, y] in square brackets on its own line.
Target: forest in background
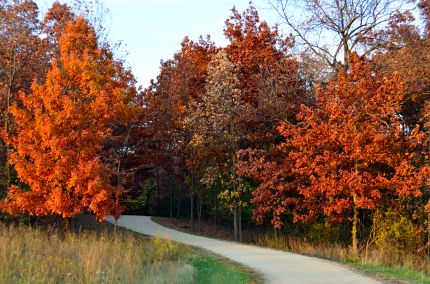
[323, 141]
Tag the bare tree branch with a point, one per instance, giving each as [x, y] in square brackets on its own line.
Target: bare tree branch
[347, 22]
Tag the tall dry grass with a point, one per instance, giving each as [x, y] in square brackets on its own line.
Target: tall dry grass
[29, 255]
[381, 255]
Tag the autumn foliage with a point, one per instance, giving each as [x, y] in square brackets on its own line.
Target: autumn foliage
[270, 84]
[352, 149]
[262, 130]
[351, 152]
[60, 127]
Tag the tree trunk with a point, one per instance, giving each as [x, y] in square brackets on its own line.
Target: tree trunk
[346, 53]
[354, 226]
[178, 210]
[354, 218]
[170, 185]
[199, 212]
[171, 200]
[181, 186]
[216, 212]
[67, 224]
[148, 199]
[192, 200]
[158, 191]
[239, 225]
[118, 172]
[235, 223]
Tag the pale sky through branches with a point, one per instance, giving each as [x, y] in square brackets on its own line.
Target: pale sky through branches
[151, 30]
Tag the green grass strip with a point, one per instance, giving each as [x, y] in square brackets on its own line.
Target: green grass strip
[392, 272]
[216, 270]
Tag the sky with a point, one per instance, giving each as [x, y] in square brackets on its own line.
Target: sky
[151, 30]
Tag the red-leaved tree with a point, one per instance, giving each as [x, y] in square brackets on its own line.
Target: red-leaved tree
[351, 152]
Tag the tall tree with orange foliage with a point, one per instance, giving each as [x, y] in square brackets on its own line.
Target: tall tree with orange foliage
[61, 125]
[350, 153]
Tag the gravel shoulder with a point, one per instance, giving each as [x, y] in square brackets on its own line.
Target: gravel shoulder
[275, 266]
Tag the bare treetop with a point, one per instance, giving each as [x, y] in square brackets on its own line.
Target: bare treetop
[332, 29]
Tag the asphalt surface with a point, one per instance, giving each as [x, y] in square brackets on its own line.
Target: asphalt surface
[275, 266]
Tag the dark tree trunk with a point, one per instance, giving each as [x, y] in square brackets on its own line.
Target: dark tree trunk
[235, 223]
[171, 196]
[216, 212]
[68, 224]
[192, 200]
[199, 211]
[158, 191]
[239, 221]
[178, 210]
[148, 198]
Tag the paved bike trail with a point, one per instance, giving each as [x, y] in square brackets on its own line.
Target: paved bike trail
[275, 266]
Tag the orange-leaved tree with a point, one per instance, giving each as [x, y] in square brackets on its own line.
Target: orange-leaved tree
[351, 152]
[354, 150]
[60, 127]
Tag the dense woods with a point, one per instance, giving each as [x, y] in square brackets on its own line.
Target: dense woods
[326, 140]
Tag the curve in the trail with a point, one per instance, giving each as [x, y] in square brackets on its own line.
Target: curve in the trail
[275, 266]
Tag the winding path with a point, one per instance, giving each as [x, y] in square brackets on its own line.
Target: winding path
[275, 266]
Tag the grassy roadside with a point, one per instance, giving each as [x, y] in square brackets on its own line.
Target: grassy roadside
[396, 274]
[43, 255]
[334, 253]
[372, 266]
[210, 268]
[214, 269]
